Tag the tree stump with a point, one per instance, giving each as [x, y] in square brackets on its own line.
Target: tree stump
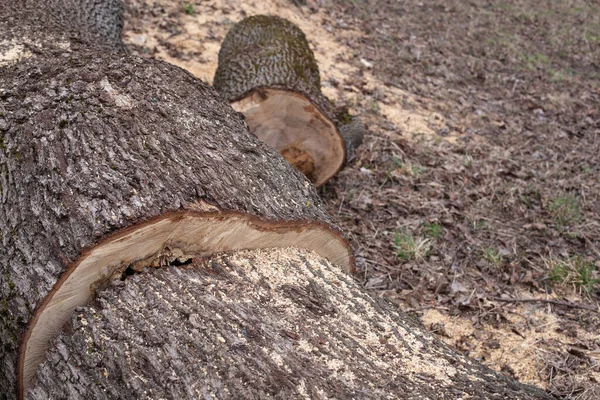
[268, 72]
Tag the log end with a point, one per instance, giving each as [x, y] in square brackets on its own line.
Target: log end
[289, 122]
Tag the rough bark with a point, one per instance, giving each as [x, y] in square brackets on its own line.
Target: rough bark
[93, 143]
[270, 52]
[97, 150]
[278, 323]
[352, 130]
[29, 26]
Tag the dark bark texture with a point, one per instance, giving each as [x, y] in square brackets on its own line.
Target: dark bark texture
[279, 323]
[96, 143]
[93, 142]
[28, 26]
[269, 51]
[352, 130]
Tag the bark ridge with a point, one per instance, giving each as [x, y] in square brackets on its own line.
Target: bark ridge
[268, 52]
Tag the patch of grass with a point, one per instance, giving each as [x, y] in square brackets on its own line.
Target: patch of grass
[557, 76]
[408, 168]
[433, 229]
[409, 247]
[536, 61]
[505, 6]
[418, 170]
[564, 209]
[468, 163]
[591, 37]
[480, 225]
[405, 168]
[492, 256]
[188, 9]
[558, 271]
[587, 277]
[575, 271]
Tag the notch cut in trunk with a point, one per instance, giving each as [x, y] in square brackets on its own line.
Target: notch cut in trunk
[201, 234]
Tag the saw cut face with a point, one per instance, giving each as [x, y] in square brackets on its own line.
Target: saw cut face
[291, 124]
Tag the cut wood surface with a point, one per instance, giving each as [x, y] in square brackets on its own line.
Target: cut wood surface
[89, 151]
[277, 323]
[268, 72]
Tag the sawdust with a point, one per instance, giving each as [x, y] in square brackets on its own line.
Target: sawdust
[521, 348]
[195, 42]
[482, 192]
[11, 51]
[400, 352]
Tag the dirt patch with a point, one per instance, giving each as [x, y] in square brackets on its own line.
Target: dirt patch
[192, 39]
[478, 179]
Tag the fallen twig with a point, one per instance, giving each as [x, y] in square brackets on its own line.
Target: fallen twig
[555, 302]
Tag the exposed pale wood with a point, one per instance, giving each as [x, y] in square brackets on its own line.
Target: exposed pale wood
[110, 162]
[92, 144]
[291, 124]
[200, 234]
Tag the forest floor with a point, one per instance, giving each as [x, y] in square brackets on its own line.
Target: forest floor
[474, 202]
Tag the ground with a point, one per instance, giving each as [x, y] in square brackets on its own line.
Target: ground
[474, 201]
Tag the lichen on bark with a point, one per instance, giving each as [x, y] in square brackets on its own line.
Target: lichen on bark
[141, 138]
[29, 26]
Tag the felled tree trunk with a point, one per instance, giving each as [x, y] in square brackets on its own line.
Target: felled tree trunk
[109, 163]
[277, 323]
[268, 72]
